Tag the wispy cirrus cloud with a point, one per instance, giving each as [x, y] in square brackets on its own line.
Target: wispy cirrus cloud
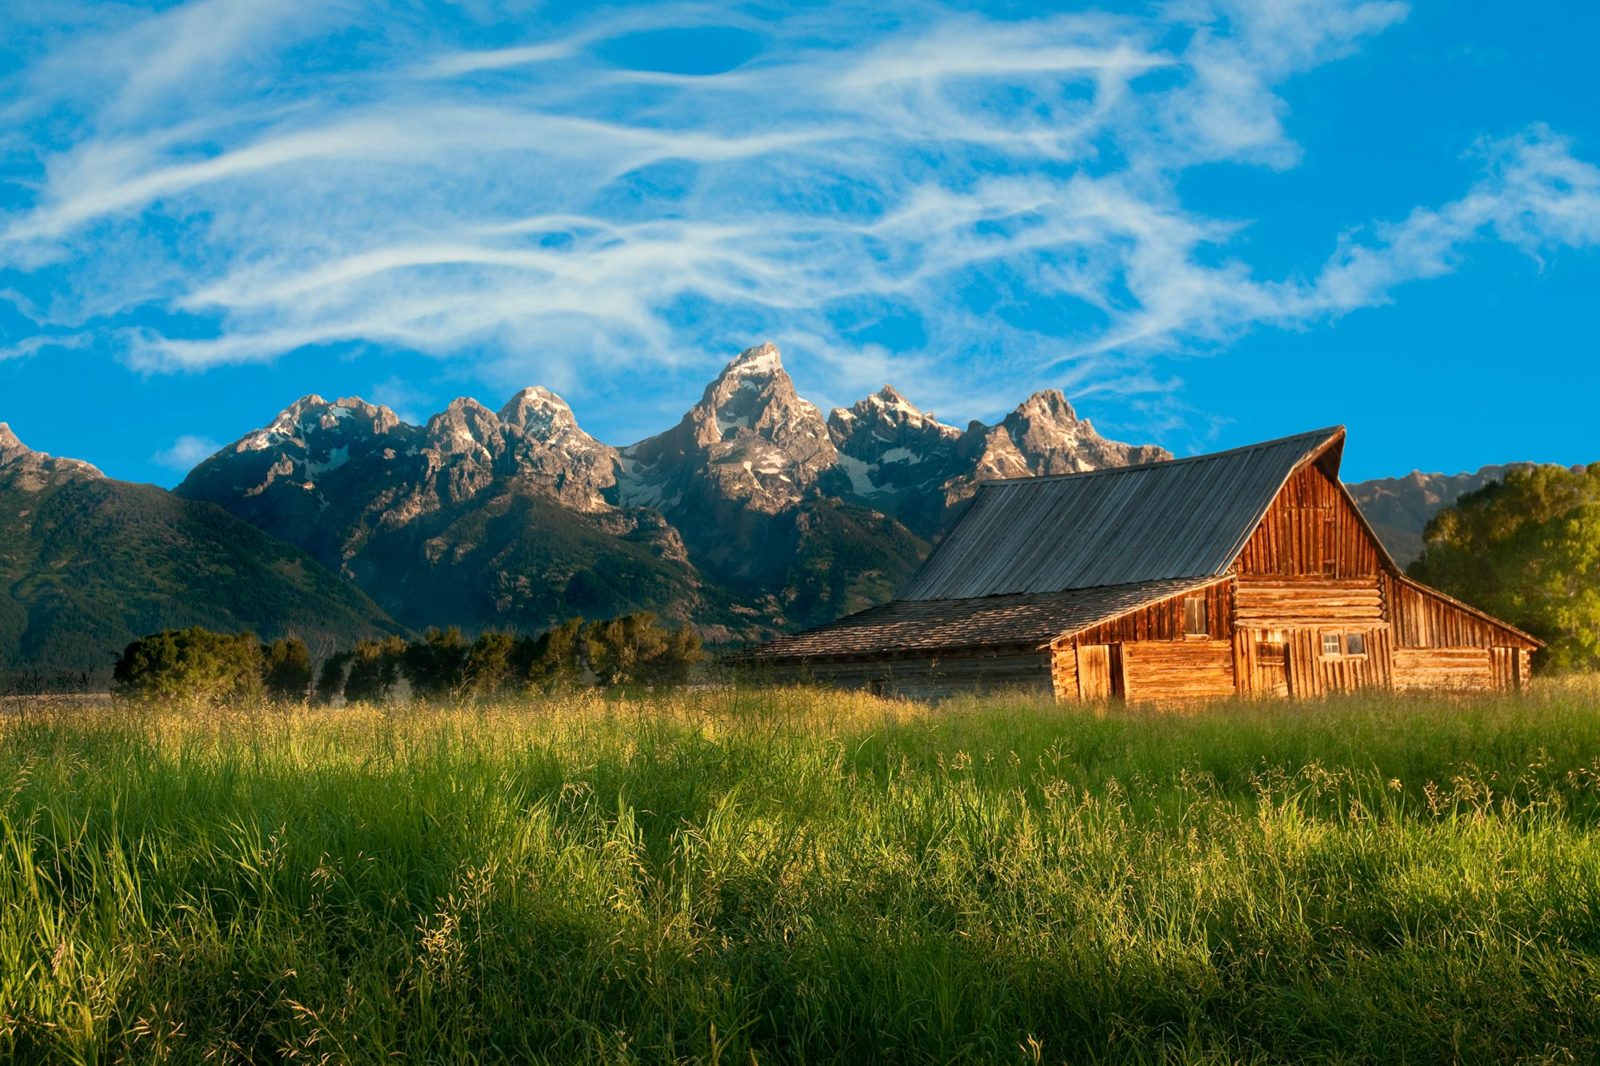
[879, 191]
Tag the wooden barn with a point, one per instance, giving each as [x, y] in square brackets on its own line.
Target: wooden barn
[1245, 572]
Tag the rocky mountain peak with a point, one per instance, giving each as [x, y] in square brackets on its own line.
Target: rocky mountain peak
[540, 413]
[465, 427]
[1047, 405]
[885, 414]
[552, 454]
[762, 360]
[754, 393]
[10, 447]
[311, 417]
[895, 455]
[751, 439]
[1044, 435]
[27, 469]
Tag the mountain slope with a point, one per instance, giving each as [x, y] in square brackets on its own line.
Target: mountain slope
[88, 564]
[1399, 507]
[477, 519]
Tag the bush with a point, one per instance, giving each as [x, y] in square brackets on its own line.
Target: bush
[286, 670]
[190, 666]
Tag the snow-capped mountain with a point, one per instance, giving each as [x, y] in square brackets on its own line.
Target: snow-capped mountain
[752, 512]
[750, 441]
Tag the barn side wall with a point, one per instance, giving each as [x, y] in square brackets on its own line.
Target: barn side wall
[1441, 644]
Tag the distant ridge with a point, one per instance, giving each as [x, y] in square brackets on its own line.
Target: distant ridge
[89, 563]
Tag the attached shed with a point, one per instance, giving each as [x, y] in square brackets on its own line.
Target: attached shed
[1245, 572]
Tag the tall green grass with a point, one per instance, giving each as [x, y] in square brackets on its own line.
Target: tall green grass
[793, 876]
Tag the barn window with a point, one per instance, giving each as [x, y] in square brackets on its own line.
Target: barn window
[1196, 620]
[1331, 644]
[1355, 644]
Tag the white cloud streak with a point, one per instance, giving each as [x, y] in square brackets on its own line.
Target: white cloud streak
[1003, 194]
[186, 452]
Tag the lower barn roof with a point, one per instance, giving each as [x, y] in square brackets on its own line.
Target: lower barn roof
[934, 625]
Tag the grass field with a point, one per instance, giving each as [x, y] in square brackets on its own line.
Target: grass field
[805, 877]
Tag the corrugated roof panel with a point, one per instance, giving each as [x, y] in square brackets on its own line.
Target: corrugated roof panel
[1187, 518]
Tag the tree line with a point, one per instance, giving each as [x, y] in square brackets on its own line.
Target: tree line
[198, 665]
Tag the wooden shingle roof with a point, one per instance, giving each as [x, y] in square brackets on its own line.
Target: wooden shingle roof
[1164, 521]
[1032, 619]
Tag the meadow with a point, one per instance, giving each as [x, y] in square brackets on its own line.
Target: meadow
[796, 876]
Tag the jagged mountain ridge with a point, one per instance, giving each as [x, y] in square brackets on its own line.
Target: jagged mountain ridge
[88, 564]
[753, 512]
[476, 518]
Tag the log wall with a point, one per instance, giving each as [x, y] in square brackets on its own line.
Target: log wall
[1174, 671]
[1470, 669]
[1272, 603]
[1423, 618]
[1165, 620]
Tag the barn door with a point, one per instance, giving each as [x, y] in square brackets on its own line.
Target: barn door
[1272, 668]
[1100, 671]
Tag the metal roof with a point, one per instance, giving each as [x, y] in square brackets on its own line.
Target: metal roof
[921, 625]
[1179, 519]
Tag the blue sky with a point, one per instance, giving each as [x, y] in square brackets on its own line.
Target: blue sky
[1207, 222]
